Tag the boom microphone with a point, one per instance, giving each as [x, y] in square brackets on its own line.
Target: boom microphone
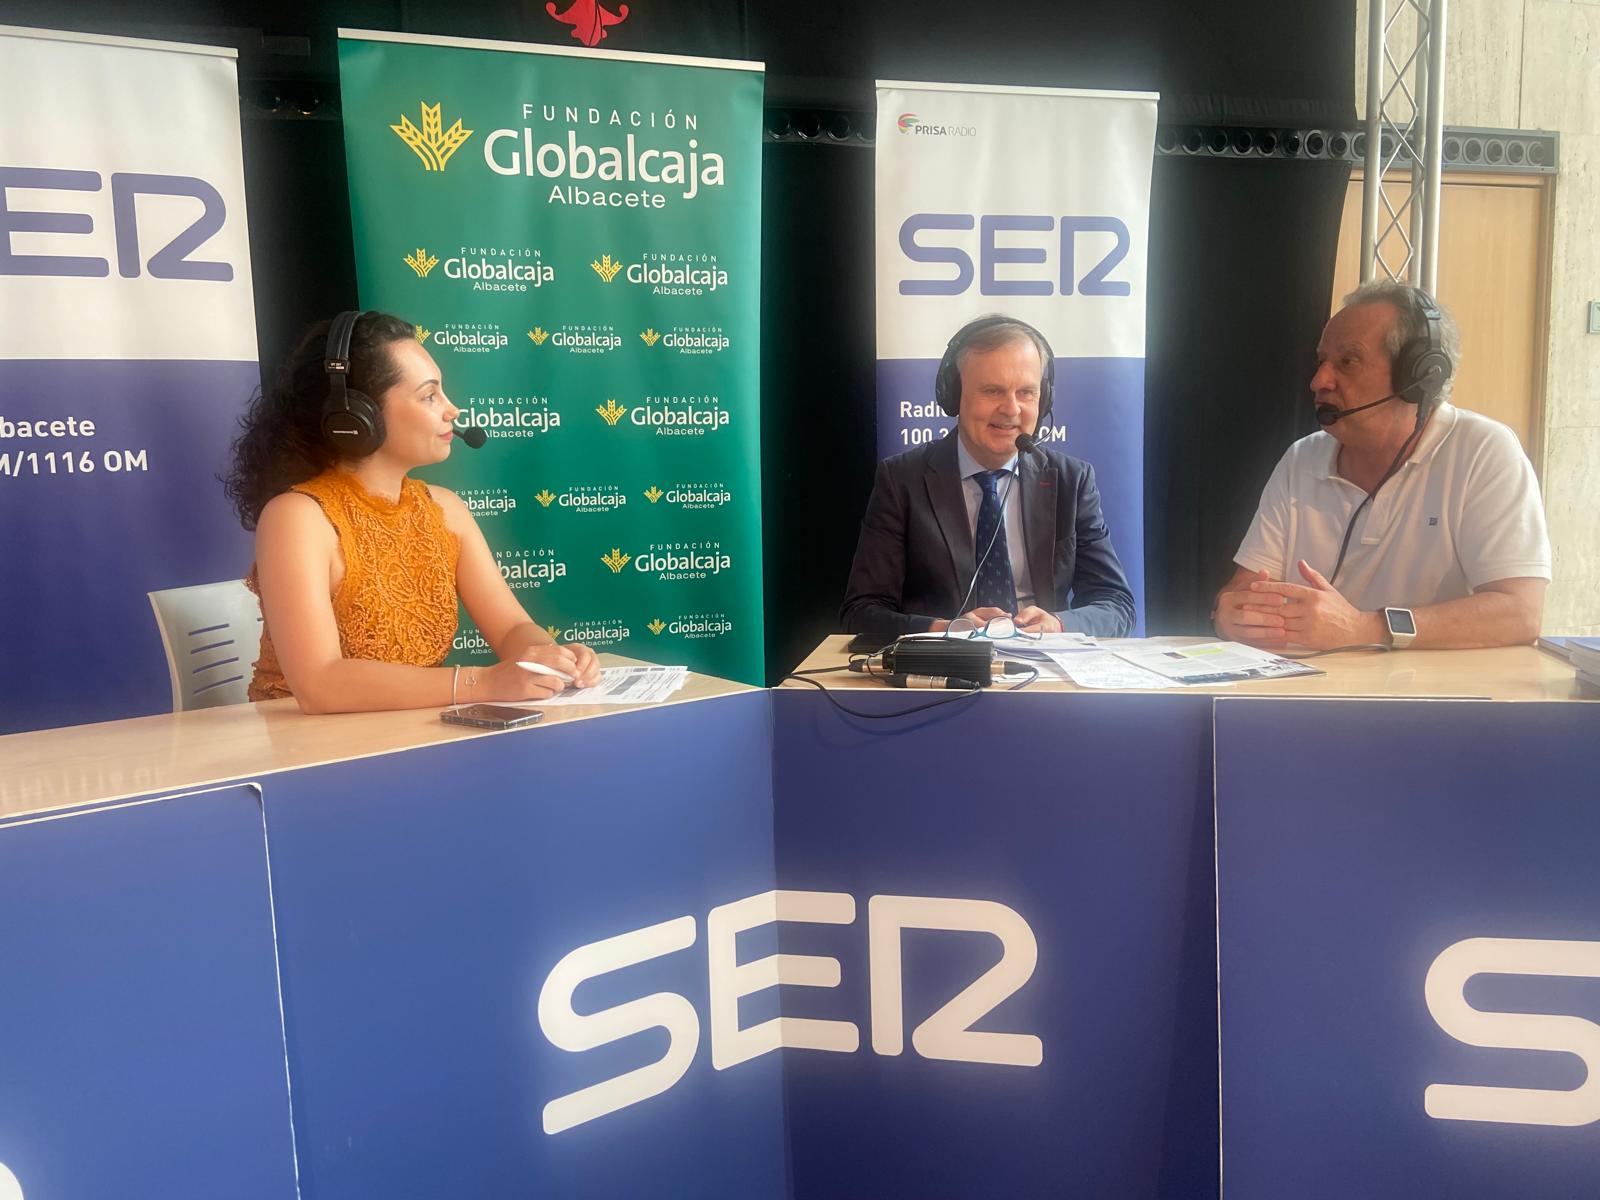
[471, 435]
[1332, 414]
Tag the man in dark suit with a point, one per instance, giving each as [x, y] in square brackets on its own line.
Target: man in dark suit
[967, 526]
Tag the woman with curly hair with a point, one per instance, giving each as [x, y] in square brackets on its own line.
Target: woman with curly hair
[358, 566]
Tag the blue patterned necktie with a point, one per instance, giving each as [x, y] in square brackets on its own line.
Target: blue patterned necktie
[995, 587]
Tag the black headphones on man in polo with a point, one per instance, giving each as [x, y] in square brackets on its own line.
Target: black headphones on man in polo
[1418, 373]
[947, 383]
[351, 420]
[1422, 368]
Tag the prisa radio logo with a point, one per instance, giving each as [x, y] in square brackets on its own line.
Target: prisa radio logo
[948, 1034]
[913, 124]
[167, 260]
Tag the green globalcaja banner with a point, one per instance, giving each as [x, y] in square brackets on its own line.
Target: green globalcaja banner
[577, 236]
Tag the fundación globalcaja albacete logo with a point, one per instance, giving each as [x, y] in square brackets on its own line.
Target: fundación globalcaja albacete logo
[433, 143]
[616, 560]
[612, 412]
[420, 261]
[538, 335]
[607, 268]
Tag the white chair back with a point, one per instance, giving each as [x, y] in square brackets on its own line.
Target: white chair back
[211, 634]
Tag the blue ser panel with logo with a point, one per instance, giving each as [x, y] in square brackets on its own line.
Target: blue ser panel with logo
[141, 1044]
[1088, 820]
[425, 901]
[96, 521]
[1409, 915]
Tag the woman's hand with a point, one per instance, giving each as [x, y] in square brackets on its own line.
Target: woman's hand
[507, 682]
[588, 666]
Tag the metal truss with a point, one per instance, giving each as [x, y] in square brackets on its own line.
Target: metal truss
[1405, 121]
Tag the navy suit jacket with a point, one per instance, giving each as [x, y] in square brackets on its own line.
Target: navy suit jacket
[915, 560]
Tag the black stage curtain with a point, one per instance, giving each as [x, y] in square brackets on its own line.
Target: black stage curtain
[1241, 253]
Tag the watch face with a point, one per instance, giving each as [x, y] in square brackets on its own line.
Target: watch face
[1400, 621]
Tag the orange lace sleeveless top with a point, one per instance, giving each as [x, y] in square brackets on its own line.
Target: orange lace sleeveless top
[397, 600]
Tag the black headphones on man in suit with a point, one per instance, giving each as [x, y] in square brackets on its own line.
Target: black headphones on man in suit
[947, 383]
[351, 420]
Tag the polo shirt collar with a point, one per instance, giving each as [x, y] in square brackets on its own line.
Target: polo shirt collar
[1438, 429]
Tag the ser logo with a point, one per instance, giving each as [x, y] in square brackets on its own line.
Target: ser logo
[947, 1034]
[170, 261]
[10, 1188]
[1444, 992]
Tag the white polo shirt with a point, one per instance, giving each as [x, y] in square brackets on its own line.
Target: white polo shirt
[1463, 512]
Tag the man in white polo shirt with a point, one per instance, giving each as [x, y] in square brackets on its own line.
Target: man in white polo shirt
[1406, 521]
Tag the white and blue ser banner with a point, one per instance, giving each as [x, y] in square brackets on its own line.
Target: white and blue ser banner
[127, 351]
[1034, 202]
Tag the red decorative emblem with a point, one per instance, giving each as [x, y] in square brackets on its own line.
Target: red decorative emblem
[589, 19]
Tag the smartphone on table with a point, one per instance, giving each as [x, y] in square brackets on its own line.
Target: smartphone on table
[491, 716]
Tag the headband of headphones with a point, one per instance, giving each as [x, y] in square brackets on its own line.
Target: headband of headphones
[947, 382]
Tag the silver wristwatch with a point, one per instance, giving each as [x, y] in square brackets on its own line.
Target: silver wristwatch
[1402, 627]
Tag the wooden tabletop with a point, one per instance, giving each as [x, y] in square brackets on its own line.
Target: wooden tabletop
[1508, 673]
[60, 768]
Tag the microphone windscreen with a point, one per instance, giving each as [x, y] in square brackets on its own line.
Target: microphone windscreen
[472, 436]
[1328, 414]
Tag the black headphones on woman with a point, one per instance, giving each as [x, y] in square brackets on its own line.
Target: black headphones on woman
[947, 383]
[351, 420]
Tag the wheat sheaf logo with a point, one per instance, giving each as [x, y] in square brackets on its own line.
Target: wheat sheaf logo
[650, 337]
[612, 412]
[606, 268]
[421, 262]
[654, 494]
[538, 335]
[433, 144]
[656, 626]
[616, 560]
[545, 497]
[423, 334]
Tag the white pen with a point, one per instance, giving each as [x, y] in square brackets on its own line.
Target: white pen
[541, 669]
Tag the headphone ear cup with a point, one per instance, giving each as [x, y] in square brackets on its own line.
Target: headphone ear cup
[947, 386]
[356, 427]
[1421, 371]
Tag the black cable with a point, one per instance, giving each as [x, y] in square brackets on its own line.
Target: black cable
[1332, 650]
[1399, 459]
[1034, 675]
[884, 716]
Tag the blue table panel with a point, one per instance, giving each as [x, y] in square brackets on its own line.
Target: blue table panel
[141, 1046]
[1090, 817]
[424, 899]
[1357, 842]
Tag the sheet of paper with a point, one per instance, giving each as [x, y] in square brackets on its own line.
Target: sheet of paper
[1105, 670]
[1212, 662]
[622, 685]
